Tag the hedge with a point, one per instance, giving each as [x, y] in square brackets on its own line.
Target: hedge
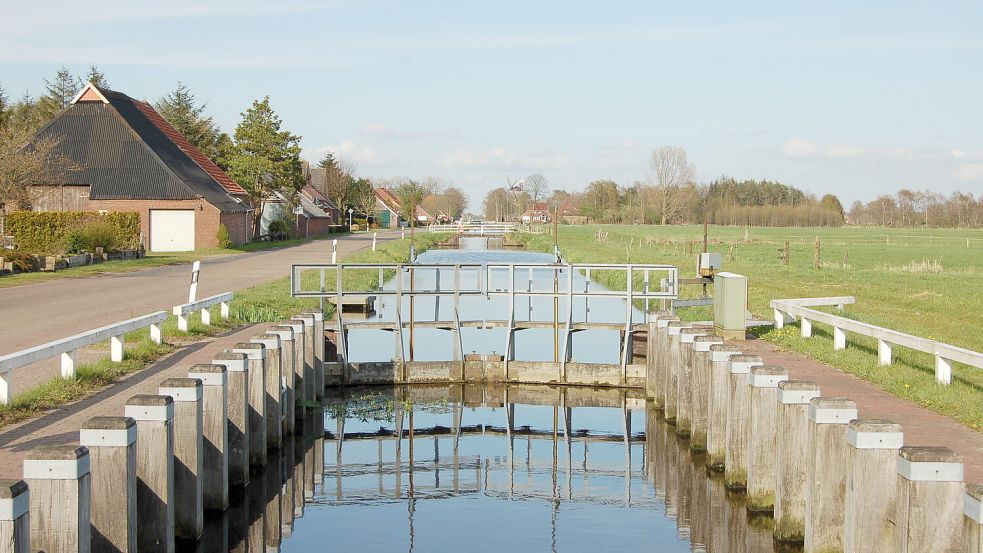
[45, 232]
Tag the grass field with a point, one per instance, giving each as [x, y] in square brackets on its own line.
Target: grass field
[924, 282]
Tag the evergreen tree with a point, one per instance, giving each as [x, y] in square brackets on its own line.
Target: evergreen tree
[265, 158]
[5, 108]
[59, 93]
[96, 77]
[832, 203]
[181, 110]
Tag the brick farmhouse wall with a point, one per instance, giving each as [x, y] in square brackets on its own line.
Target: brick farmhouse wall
[207, 219]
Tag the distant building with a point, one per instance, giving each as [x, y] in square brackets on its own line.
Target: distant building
[387, 208]
[128, 158]
[316, 213]
[538, 212]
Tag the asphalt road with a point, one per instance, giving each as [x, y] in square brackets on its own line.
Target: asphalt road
[36, 313]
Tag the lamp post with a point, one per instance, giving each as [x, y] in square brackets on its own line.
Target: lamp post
[350, 210]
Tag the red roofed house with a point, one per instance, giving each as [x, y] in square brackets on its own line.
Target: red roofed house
[128, 158]
[538, 212]
[387, 208]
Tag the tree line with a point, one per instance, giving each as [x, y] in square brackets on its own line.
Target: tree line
[261, 155]
[913, 208]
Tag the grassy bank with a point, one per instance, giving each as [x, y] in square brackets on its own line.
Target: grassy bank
[269, 302]
[918, 281]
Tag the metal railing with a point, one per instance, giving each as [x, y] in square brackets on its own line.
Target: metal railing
[945, 354]
[311, 280]
[480, 228]
[68, 348]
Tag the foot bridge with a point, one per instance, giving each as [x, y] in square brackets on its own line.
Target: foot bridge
[485, 308]
[477, 228]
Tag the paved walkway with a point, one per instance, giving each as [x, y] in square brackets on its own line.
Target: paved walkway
[921, 426]
[37, 313]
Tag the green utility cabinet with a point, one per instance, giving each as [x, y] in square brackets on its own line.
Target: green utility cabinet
[730, 305]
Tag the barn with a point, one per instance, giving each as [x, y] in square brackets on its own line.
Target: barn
[126, 157]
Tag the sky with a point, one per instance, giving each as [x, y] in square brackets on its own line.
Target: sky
[852, 98]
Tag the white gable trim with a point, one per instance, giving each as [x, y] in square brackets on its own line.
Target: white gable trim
[86, 88]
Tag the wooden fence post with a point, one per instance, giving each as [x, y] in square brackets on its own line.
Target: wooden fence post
[792, 447]
[871, 484]
[59, 482]
[826, 495]
[929, 512]
[717, 403]
[237, 373]
[113, 465]
[738, 421]
[15, 518]
[256, 354]
[762, 473]
[154, 416]
[215, 435]
[189, 520]
[700, 390]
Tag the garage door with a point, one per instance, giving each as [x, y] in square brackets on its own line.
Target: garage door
[172, 230]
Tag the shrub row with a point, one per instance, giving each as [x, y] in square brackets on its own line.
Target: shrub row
[48, 232]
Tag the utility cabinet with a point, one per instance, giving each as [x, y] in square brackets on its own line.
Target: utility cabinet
[730, 305]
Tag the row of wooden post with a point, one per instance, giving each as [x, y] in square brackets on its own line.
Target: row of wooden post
[831, 480]
[139, 481]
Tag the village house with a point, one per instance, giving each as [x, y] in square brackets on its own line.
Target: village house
[387, 208]
[538, 212]
[126, 157]
[312, 216]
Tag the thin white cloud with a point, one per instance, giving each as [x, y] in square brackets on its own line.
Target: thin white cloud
[806, 149]
[969, 172]
[385, 131]
[360, 154]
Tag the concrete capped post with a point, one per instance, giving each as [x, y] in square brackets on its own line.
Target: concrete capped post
[157, 333]
[738, 420]
[681, 357]
[717, 403]
[15, 518]
[762, 473]
[654, 362]
[792, 448]
[117, 348]
[59, 482]
[700, 389]
[670, 401]
[826, 490]
[930, 503]
[300, 393]
[256, 355]
[113, 466]
[318, 353]
[154, 416]
[189, 520]
[214, 434]
[871, 484]
[286, 335]
[274, 382]
[972, 519]
[309, 360]
[237, 397]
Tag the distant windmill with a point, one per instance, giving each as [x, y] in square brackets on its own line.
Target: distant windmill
[514, 187]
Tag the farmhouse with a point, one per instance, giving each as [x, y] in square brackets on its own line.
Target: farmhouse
[538, 212]
[387, 207]
[126, 157]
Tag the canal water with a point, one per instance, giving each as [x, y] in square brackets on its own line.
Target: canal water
[486, 468]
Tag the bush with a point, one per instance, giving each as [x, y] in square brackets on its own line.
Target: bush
[100, 234]
[47, 232]
[280, 227]
[75, 242]
[22, 261]
[224, 241]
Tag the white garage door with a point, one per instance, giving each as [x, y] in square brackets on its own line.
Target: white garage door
[172, 230]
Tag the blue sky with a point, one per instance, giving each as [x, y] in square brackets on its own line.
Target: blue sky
[853, 98]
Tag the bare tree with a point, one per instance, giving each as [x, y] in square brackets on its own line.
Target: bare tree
[537, 186]
[25, 162]
[339, 174]
[672, 172]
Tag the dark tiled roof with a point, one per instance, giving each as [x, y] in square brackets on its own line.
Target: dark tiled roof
[123, 155]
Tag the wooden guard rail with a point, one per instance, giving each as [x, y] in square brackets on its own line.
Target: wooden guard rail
[945, 354]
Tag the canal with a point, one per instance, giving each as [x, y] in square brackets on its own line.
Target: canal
[487, 468]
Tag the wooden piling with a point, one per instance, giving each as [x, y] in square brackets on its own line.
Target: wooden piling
[15, 518]
[791, 451]
[738, 420]
[762, 473]
[700, 390]
[717, 403]
[655, 362]
[309, 347]
[930, 502]
[274, 383]
[684, 379]
[871, 484]
[286, 335]
[300, 393]
[214, 434]
[671, 401]
[154, 416]
[256, 354]
[237, 397]
[59, 482]
[826, 491]
[189, 521]
[972, 519]
[113, 466]
[319, 359]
